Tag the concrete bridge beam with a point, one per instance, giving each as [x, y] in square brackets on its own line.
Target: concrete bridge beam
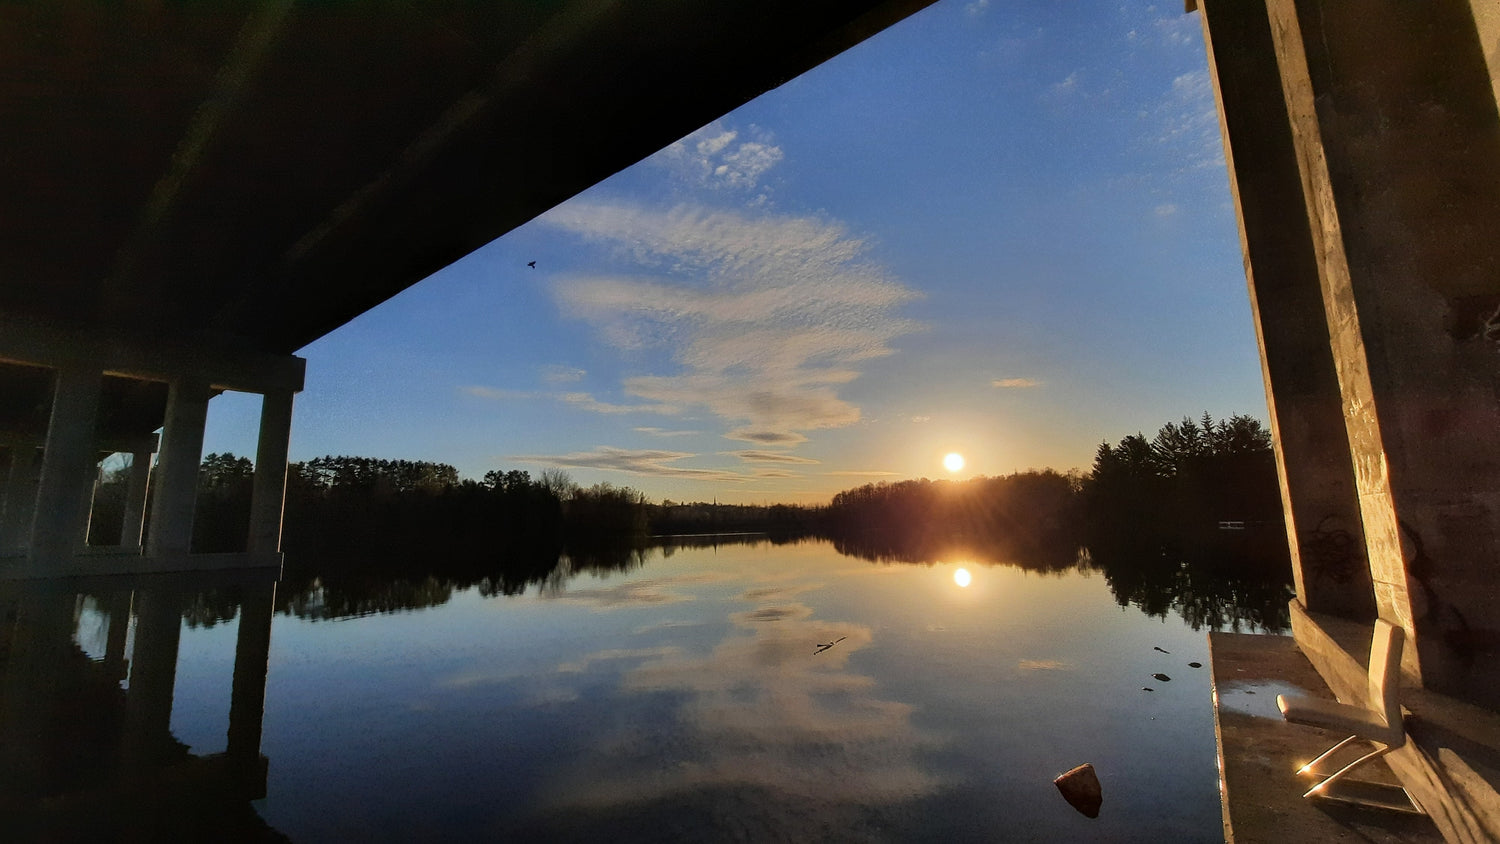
[1394, 125]
[1302, 387]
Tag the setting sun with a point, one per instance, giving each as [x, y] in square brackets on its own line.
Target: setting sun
[953, 462]
[962, 578]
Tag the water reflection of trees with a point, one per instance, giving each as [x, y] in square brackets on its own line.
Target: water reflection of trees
[1235, 581]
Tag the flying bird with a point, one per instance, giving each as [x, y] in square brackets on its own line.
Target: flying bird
[531, 264]
[825, 646]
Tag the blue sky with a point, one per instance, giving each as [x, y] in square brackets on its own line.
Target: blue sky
[1001, 229]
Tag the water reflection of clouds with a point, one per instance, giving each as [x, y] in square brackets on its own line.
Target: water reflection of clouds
[636, 593]
[765, 716]
[614, 654]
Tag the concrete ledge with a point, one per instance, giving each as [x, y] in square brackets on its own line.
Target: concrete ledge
[1451, 761]
[214, 360]
[1259, 753]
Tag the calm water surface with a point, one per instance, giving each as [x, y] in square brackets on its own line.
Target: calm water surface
[688, 699]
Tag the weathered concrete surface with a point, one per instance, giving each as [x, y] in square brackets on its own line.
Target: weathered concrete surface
[1259, 753]
[1451, 760]
[1394, 123]
[1302, 388]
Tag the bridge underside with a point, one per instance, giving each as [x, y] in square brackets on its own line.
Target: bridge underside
[190, 192]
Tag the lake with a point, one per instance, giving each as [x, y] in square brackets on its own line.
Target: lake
[712, 689]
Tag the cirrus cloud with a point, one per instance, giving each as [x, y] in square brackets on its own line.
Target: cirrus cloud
[635, 461]
[766, 316]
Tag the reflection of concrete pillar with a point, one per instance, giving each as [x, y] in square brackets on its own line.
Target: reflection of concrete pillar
[1302, 387]
[153, 674]
[247, 707]
[32, 688]
[176, 483]
[117, 604]
[1397, 141]
[269, 494]
[68, 464]
[20, 499]
[135, 499]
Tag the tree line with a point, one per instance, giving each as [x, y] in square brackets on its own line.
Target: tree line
[1146, 509]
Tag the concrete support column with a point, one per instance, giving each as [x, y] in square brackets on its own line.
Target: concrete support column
[68, 465]
[20, 499]
[1302, 387]
[153, 675]
[247, 706]
[176, 487]
[268, 496]
[135, 499]
[1397, 139]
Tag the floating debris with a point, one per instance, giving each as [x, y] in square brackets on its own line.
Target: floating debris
[1080, 787]
[825, 646]
[1195, 665]
[1162, 677]
[1163, 650]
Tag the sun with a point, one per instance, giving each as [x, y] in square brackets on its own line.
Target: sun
[953, 461]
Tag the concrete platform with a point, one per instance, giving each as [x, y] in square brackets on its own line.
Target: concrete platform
[1259, 753]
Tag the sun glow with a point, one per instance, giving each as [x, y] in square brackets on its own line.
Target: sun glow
[962, 578]
[953, 461]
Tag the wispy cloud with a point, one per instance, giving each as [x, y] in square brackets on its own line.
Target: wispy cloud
[863, 474]
[634, 461]
[585, 401]
[663, 432]
[773, 474]
[977, 8]
[579, 400]
[920, 419]
[558, 374]
[765, 315]
[1015, 383]
[718, 157]
[483, 392]
[754, 456]
[1190, 122]
[1166, 209]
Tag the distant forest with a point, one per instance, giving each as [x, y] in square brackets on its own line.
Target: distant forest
[1201, 494]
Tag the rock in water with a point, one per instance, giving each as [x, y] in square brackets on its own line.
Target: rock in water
[1080, 787]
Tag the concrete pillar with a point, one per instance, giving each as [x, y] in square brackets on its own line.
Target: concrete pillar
[20, 499]
[268, 496]
[247, 706]
[153, 675]
[135, 499]
[176, 486]
[1302, 388]
[68, 465]
[1397, 140]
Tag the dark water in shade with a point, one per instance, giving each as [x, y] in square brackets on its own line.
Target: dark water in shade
[683, 700]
